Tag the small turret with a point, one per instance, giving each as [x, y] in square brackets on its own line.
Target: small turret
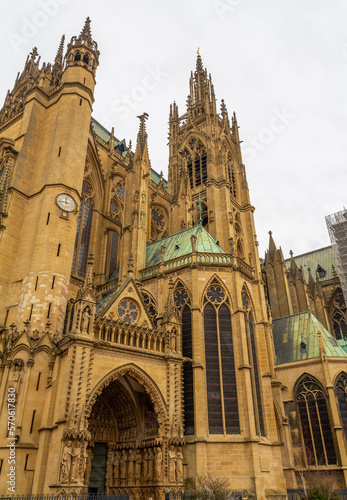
[82, 52]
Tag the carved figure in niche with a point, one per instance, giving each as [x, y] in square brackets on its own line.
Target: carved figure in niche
[131, 460]
[232, 245]
[150, 464]
[138, 462]
[89, 456]
[183, 225]
[85, 321]
[179, 466]
[145, 466]
[172, 465]
[143, 197]
[158, 463]
[75, 460]
[16, 376]
[65, 466]
[116, 462]
[123, 466]
[136, 197]
[82, 462]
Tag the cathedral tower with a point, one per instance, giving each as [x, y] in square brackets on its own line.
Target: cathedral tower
[45, 124]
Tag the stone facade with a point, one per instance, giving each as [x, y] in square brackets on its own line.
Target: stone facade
[136, 334]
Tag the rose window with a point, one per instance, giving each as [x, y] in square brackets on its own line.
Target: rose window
[128, 311]
[215, 294]
[180, 298]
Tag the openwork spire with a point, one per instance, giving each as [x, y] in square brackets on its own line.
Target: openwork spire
[201, 99]
[86, 33]
[60, 51]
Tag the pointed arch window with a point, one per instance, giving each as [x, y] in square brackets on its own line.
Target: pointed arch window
[231, 174]
[315, 425]
[196, 163]
[339, 316]
[253, 361]
[341, 395]
[111, 257]
[182, 305]
[223, 417]
[158, 223]
[84, 227]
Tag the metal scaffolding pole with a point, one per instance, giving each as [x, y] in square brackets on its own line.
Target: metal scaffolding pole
[337, 227]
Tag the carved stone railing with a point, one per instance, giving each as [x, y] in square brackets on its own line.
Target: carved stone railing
[120, 333]
[200, 258]
[107, 287]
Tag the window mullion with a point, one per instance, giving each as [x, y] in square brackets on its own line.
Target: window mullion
[220, 371]
[321, 432]
[311, 431]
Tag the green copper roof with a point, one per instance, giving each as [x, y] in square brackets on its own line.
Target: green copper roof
[324, 257]
[105, 135]
[156, 178]
[296, 339]
[179, 244]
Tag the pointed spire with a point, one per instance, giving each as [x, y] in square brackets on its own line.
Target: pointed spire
[142, 134]
[59, 57]
[86, 33]
[272, 246]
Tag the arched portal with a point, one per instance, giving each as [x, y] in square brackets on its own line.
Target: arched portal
[125, 420]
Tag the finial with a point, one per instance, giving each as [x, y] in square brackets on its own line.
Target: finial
[198, 53]
[270, 233]
[291, 253]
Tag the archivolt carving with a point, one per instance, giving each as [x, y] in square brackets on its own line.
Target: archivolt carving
[142, 378]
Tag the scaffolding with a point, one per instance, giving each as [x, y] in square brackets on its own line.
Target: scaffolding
[337, 227]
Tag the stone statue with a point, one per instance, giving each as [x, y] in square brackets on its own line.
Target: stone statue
[138, 462]
[172, 465]
[131, 460]
[75, 456]
[150, 464]
[145, 466]
[123, 466]
[116, 463]
[88, 466]
[83, 461]
[85, 321]
[65, 466]
[179, 466]
[158, 463]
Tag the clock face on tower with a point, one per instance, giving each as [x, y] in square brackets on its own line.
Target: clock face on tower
[65, 202]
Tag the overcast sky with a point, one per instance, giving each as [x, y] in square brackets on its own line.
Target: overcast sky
[281, 65]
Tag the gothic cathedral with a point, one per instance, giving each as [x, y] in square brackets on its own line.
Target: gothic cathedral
[137, 346]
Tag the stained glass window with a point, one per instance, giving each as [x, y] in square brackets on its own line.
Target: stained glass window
[84, 227]
[341, 394]
[127, 311]
[111, 253]
[315, 425]
[188, 384]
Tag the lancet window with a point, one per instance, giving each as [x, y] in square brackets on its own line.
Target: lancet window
[196, 163]
[339, 316]
[341, 395]
[151, 306]
[111, 257]
[223, 417]
[230, 174]
[84, 227]
[253, 361]
[182, 305]
[315, 426]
